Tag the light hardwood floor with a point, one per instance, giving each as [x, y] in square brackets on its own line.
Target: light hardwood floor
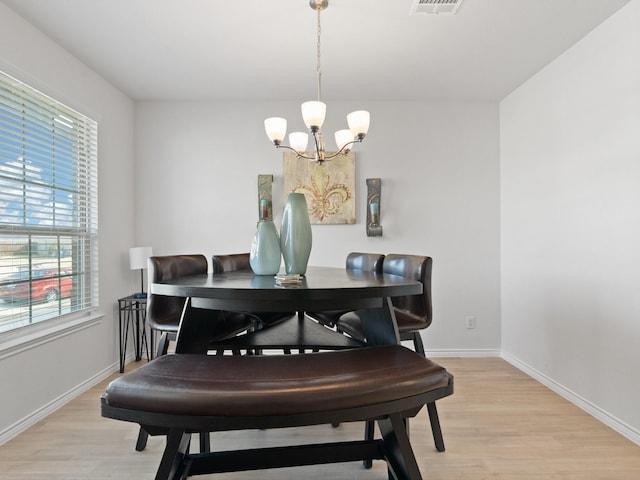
[499, 424]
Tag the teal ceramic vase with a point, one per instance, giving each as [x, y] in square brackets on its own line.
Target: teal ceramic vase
[265, 250]
[295, 234]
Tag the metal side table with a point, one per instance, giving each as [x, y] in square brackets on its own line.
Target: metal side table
[133, 316]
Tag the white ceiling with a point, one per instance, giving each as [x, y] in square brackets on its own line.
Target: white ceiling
[258, 49]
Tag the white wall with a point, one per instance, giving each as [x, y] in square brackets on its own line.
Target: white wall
[197, 165]
[570, 176]
[39, 378]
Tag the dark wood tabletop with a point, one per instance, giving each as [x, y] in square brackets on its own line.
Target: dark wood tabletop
[322, 288]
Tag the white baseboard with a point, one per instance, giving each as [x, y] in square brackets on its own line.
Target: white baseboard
[471, 352]
[46, 410]
[593, 410]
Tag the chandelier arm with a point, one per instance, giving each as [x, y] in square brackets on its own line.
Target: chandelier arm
[282, 145]
[325, 156]
[329, 157]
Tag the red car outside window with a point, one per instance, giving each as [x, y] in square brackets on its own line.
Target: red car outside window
[47, 285]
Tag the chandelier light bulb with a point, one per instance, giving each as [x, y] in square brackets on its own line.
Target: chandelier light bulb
[343, 137]
[313, 114]
[276, 128]
[298, 141]
[358, 123]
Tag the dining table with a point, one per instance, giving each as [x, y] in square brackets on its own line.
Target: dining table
[367, 294]
[320, 289]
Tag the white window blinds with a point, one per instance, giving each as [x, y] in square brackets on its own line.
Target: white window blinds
[48, 207]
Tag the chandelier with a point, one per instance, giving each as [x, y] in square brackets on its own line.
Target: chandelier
[313, 113]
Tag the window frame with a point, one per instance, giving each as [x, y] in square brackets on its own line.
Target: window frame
[84, 231]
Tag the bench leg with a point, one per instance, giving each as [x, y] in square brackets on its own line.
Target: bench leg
[401, 461]
[369, 430]
[205, 442]
[435, 426]
[174, 452]
[141, 443]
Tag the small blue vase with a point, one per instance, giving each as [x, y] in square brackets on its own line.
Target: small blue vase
[265, 250]
[295, 234]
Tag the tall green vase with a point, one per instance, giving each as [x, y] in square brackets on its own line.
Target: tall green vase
[295, 234]
[265, 250]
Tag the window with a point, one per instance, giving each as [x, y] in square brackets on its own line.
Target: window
[48, 207]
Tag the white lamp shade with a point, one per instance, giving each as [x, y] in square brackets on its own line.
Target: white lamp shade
[358, 122]
[343, 137]
[313, 113]
[298, 141]
[276, 128]
[138, 257]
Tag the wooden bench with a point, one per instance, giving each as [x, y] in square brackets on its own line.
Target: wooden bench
[176, 395]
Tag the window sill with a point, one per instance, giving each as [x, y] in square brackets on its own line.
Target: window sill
[26, 338]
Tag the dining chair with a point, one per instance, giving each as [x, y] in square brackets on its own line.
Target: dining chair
[366, 262]
[239, 262]
[164, 312]
[413, 313]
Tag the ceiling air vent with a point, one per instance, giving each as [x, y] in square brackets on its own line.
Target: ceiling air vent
[435, 6]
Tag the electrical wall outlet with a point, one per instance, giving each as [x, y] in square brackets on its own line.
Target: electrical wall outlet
[470, 322]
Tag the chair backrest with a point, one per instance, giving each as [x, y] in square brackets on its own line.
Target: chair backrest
[368, 262]
[413, 311]
[230, 263]
[356, 262]
[164, 312]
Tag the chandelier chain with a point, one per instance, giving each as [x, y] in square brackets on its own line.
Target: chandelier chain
[318, 68]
